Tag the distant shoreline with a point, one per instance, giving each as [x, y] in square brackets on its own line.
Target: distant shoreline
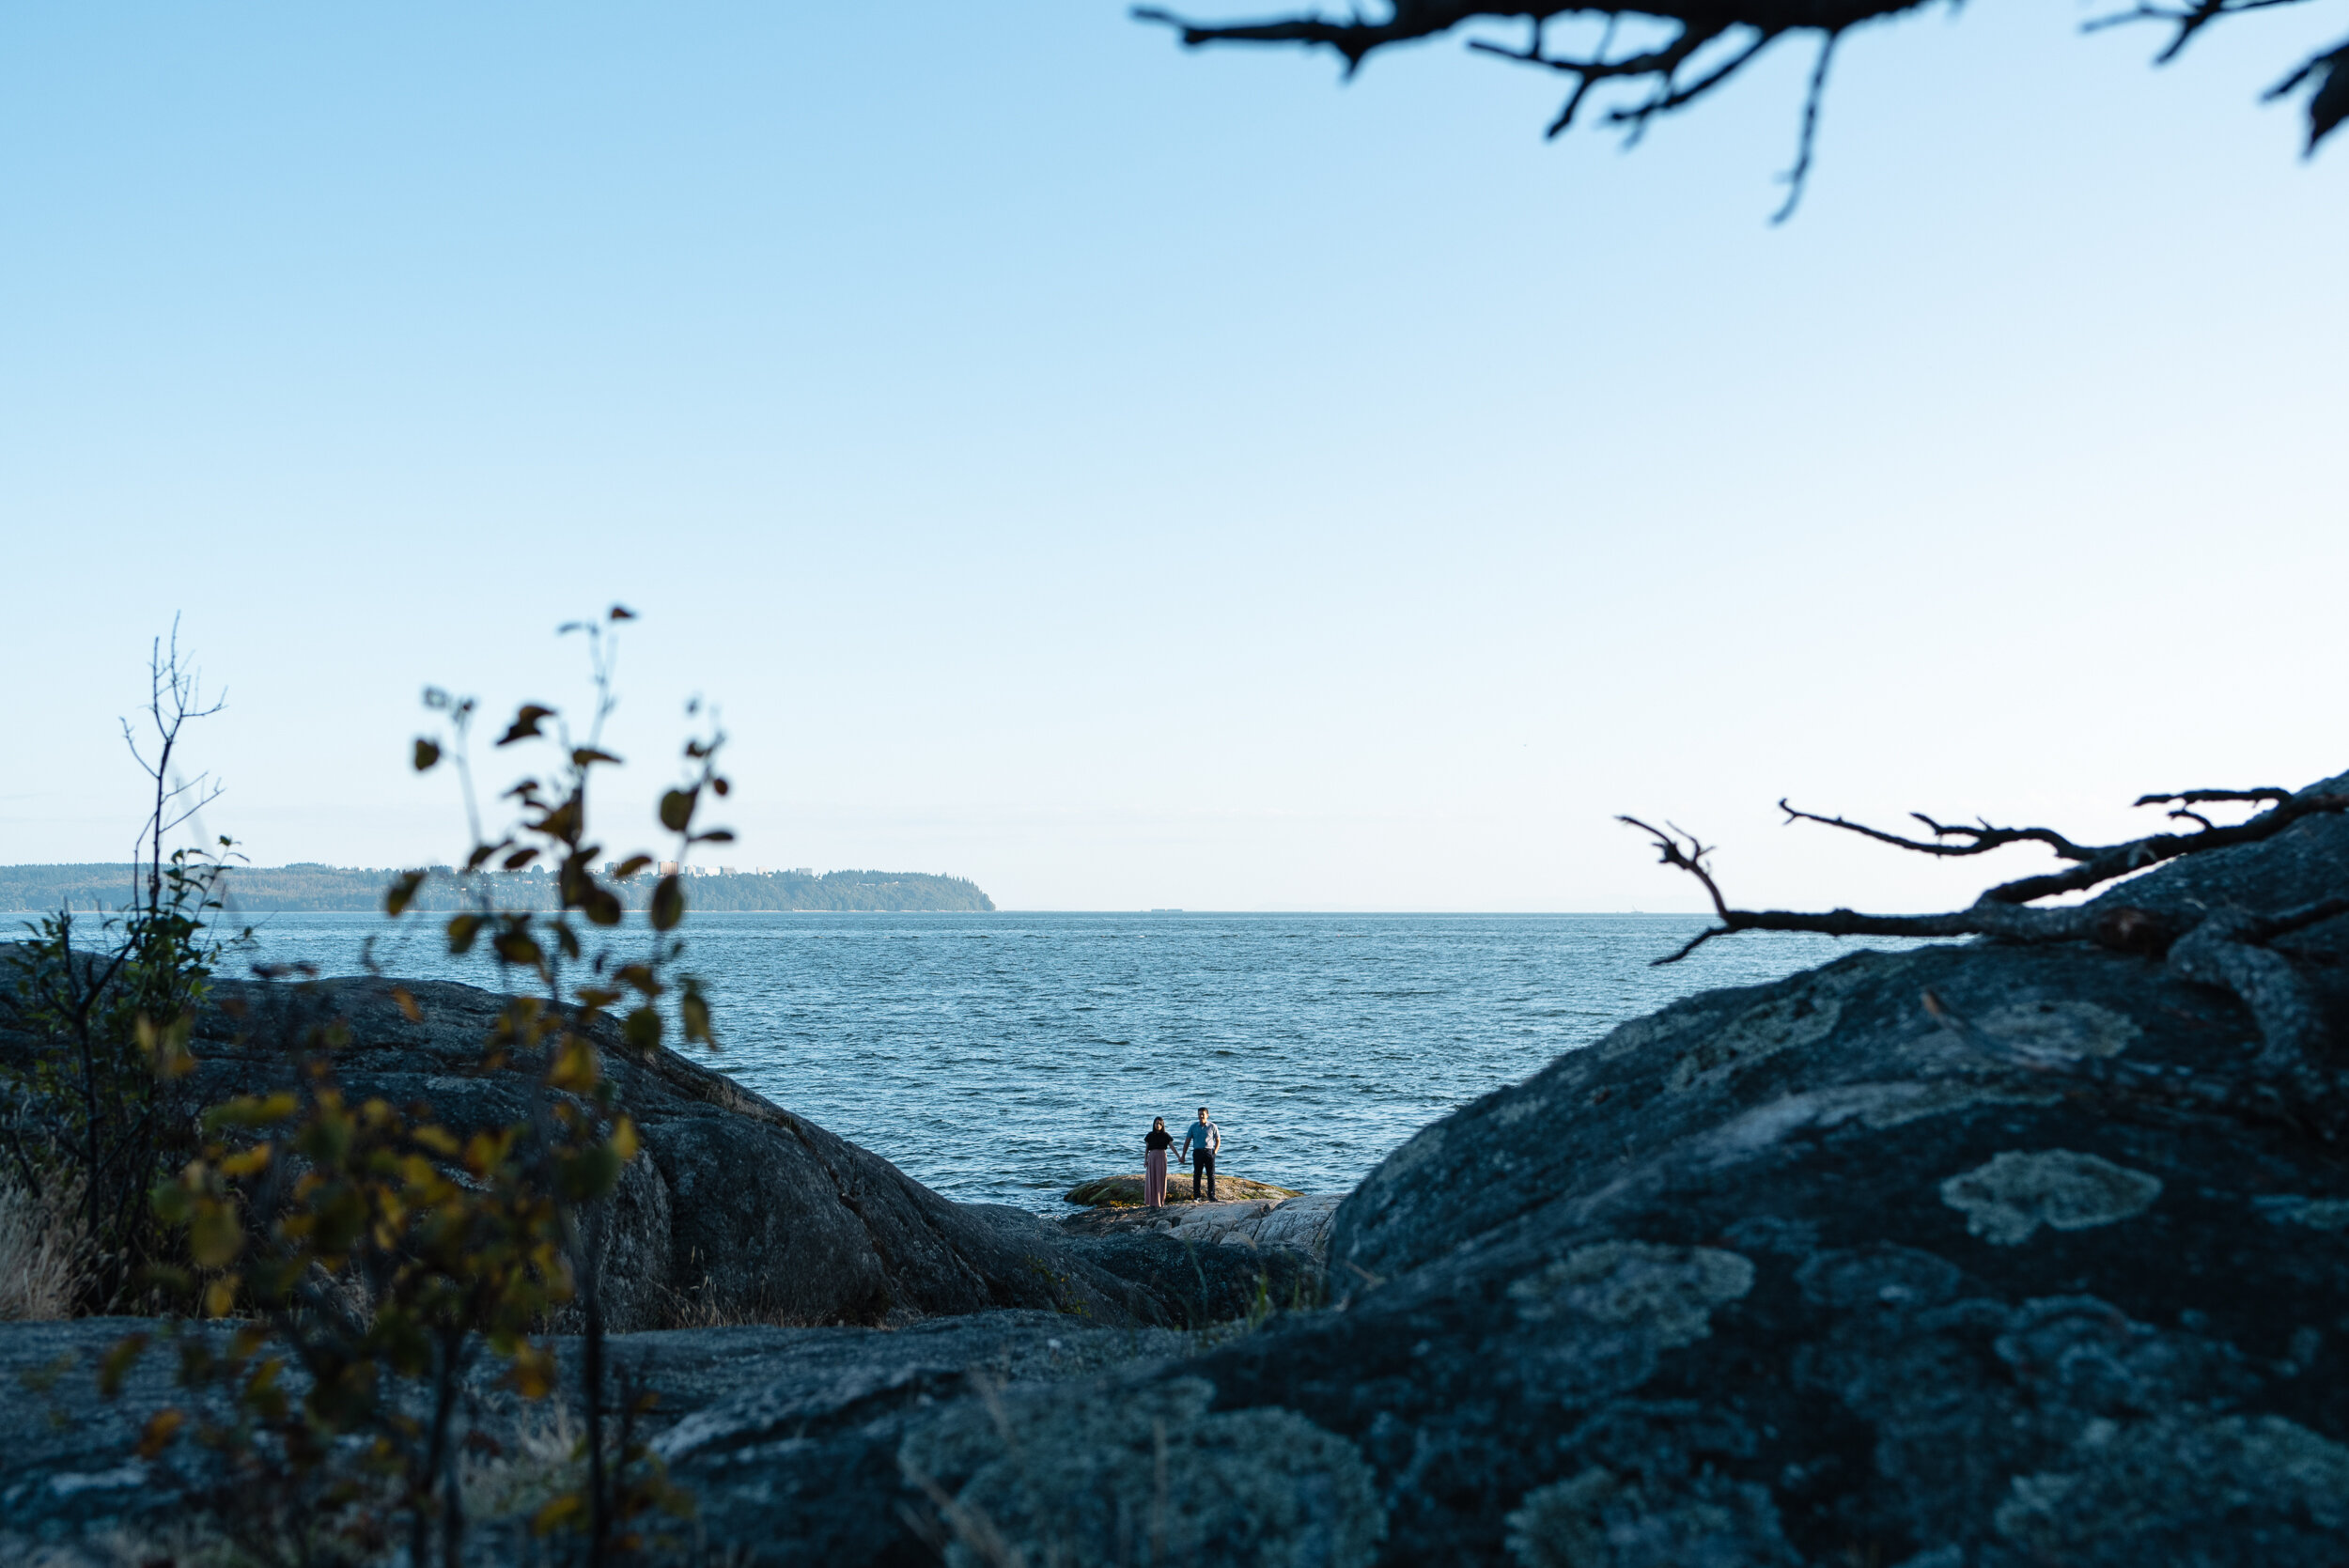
[309, 887]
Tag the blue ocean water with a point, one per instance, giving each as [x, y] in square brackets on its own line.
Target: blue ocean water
[1006, 1057]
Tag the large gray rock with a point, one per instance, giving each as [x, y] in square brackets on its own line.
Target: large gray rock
[1960, 1255]
[1963, 1257]
[1297, 1224]
[73, 1492]
[735, 1210]
[1209, 1263]
[71, 1466]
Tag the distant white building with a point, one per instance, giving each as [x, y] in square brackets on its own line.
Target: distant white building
[668, 868]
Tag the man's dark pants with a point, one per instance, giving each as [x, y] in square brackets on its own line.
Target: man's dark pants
[1202, 1163]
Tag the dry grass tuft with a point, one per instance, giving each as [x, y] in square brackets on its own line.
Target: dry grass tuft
[539, 1460]
[45, 1256]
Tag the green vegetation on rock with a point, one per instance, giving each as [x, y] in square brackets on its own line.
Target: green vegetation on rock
[1125, 1191]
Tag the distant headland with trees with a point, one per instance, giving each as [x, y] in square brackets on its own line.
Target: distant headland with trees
[312, 887]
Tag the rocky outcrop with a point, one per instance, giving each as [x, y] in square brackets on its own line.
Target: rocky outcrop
[1213, 1262]
[1971, 1256]
[1297, 1224]
[1193, 1277]
[1964, 1257]
[73, 1493]
[1888, 1262]
[1125, 1191]
[737, 1208]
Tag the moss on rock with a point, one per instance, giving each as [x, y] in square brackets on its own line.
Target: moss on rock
[1125, 1191]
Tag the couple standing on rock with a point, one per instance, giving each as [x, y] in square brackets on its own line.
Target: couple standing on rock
[1200, 1142]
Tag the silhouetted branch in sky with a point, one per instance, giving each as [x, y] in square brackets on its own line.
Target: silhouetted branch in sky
[1708, 42]
[2220, 945]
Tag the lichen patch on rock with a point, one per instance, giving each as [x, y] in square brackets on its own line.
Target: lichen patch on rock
[1089, 1478]
[1670, 1292]
[1880, 1275]
[2060, 1028]
[2317, 1214]
[1597, 1520]
[1876, 1105]
[1942, 1096]
[2006, 1200]
[2140, 1493]
[1757, 1034]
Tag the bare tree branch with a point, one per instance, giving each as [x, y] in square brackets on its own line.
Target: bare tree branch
[2199, 796]
[2327, 77]
[1976, 840]
[1748, 27]
[1799, 175]
[2004, 910]
[173, 697]
[2226, 947]
[2095, 865]
[2187, 20]
[1751, 27]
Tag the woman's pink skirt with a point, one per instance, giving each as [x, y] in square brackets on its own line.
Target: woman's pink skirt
[1154, 1178]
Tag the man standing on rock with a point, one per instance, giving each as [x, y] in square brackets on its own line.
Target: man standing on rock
[1208, 1138]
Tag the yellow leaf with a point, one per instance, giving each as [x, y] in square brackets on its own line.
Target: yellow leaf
[624, 1140]
[167, 1047]
[115, 1364]
[220, 1295]
[214, 1235]
[535, 1372]
[249, 1111]
[569, 1509]
[160, 1428]
[436, 1138]
[574, 1066]
[251, 1162]
[408, 1008]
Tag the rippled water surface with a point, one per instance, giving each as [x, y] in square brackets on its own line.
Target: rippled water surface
[1006, 1057]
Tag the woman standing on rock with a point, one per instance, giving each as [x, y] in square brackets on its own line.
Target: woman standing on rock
[1153, 1146]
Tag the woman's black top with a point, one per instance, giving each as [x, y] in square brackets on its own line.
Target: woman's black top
[1156, 1139]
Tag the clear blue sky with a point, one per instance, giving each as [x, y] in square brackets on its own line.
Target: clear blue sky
[1129, 477]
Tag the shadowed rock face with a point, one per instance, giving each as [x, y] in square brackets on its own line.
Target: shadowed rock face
[737, 1209]
[73, 1493]
[1300, 1223]
[1815, 1270]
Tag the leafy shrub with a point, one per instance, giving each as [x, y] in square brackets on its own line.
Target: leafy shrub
[92, 1107]
[376, 1257]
